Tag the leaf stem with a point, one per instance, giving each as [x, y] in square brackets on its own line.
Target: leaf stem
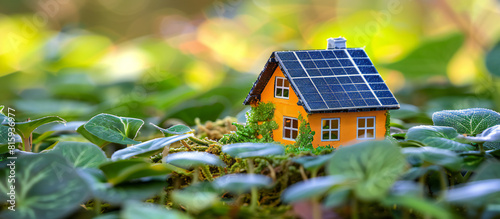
[196, 174]
[271, 171]
[355, 211]
[316, 209]
[97, 206]
[24, 141]
[481, 148]
[254, 197]
[250, 166]
[314, 173]
[421, 181]
[443, 182]
[303, 173]
[254, 194]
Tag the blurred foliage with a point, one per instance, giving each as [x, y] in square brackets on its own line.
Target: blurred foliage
[171, 59]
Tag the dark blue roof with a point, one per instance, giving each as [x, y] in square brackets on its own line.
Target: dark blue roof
[332, 80]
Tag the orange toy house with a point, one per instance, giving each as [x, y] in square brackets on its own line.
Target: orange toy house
[339, 90]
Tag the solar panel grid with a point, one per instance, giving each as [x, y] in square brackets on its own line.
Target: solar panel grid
[329, 80]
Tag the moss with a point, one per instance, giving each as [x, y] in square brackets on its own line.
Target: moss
[215, 130]
[259, 123]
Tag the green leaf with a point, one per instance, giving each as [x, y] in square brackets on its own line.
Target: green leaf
[117, 194]
[468, 121]
[491, 134]
[476, 193]
[438, 137]
[488, 170]
[46, 186]
[493, 60]
[196, 198]
[67, 127]
[434, 156]
[109, 215]
[373, 165]
[3, 117]
[150, 146]
[312, 188]
[26, 128]
[430, 59]
[248, 150]
[312, 163]
[416, 172]
[176, 169]
[337, 197]
[422, 206]
[192, 159]
[136, 209]
[120, 130]
[242, 183]
[92, 138]
[82, 155]
[472, 160]
[125, 170]
[175, 130]
[4, 148]
[4, 130]
[4, 134]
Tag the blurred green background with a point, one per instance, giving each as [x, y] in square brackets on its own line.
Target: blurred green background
[187, 59]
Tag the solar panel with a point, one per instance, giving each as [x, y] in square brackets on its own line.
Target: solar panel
[336, 79]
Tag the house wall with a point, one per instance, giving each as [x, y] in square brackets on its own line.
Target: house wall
[289, 108]
[348, 126]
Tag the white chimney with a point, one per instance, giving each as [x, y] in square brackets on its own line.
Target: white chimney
[336, 43]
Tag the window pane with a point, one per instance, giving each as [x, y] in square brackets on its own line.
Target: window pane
[279, 82]
[369, 133]
[285, 92]
[287, 123]
[295, 123]
[287, 83]
[326, 135]
[335, 124]
[279, 92]
[361, 133]
[326, 124]
[294, 134]
[370, 122]
[361, 123]
[335, 135]
[287, 133]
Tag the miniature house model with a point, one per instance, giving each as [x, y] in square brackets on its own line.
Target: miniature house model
[337, 90]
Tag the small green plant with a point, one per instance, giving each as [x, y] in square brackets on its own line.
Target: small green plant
[259, 126]
[306, 135]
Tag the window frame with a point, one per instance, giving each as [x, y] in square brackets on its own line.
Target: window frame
[366, 128]
[291, 129]
[283, 87]
[330, 129]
